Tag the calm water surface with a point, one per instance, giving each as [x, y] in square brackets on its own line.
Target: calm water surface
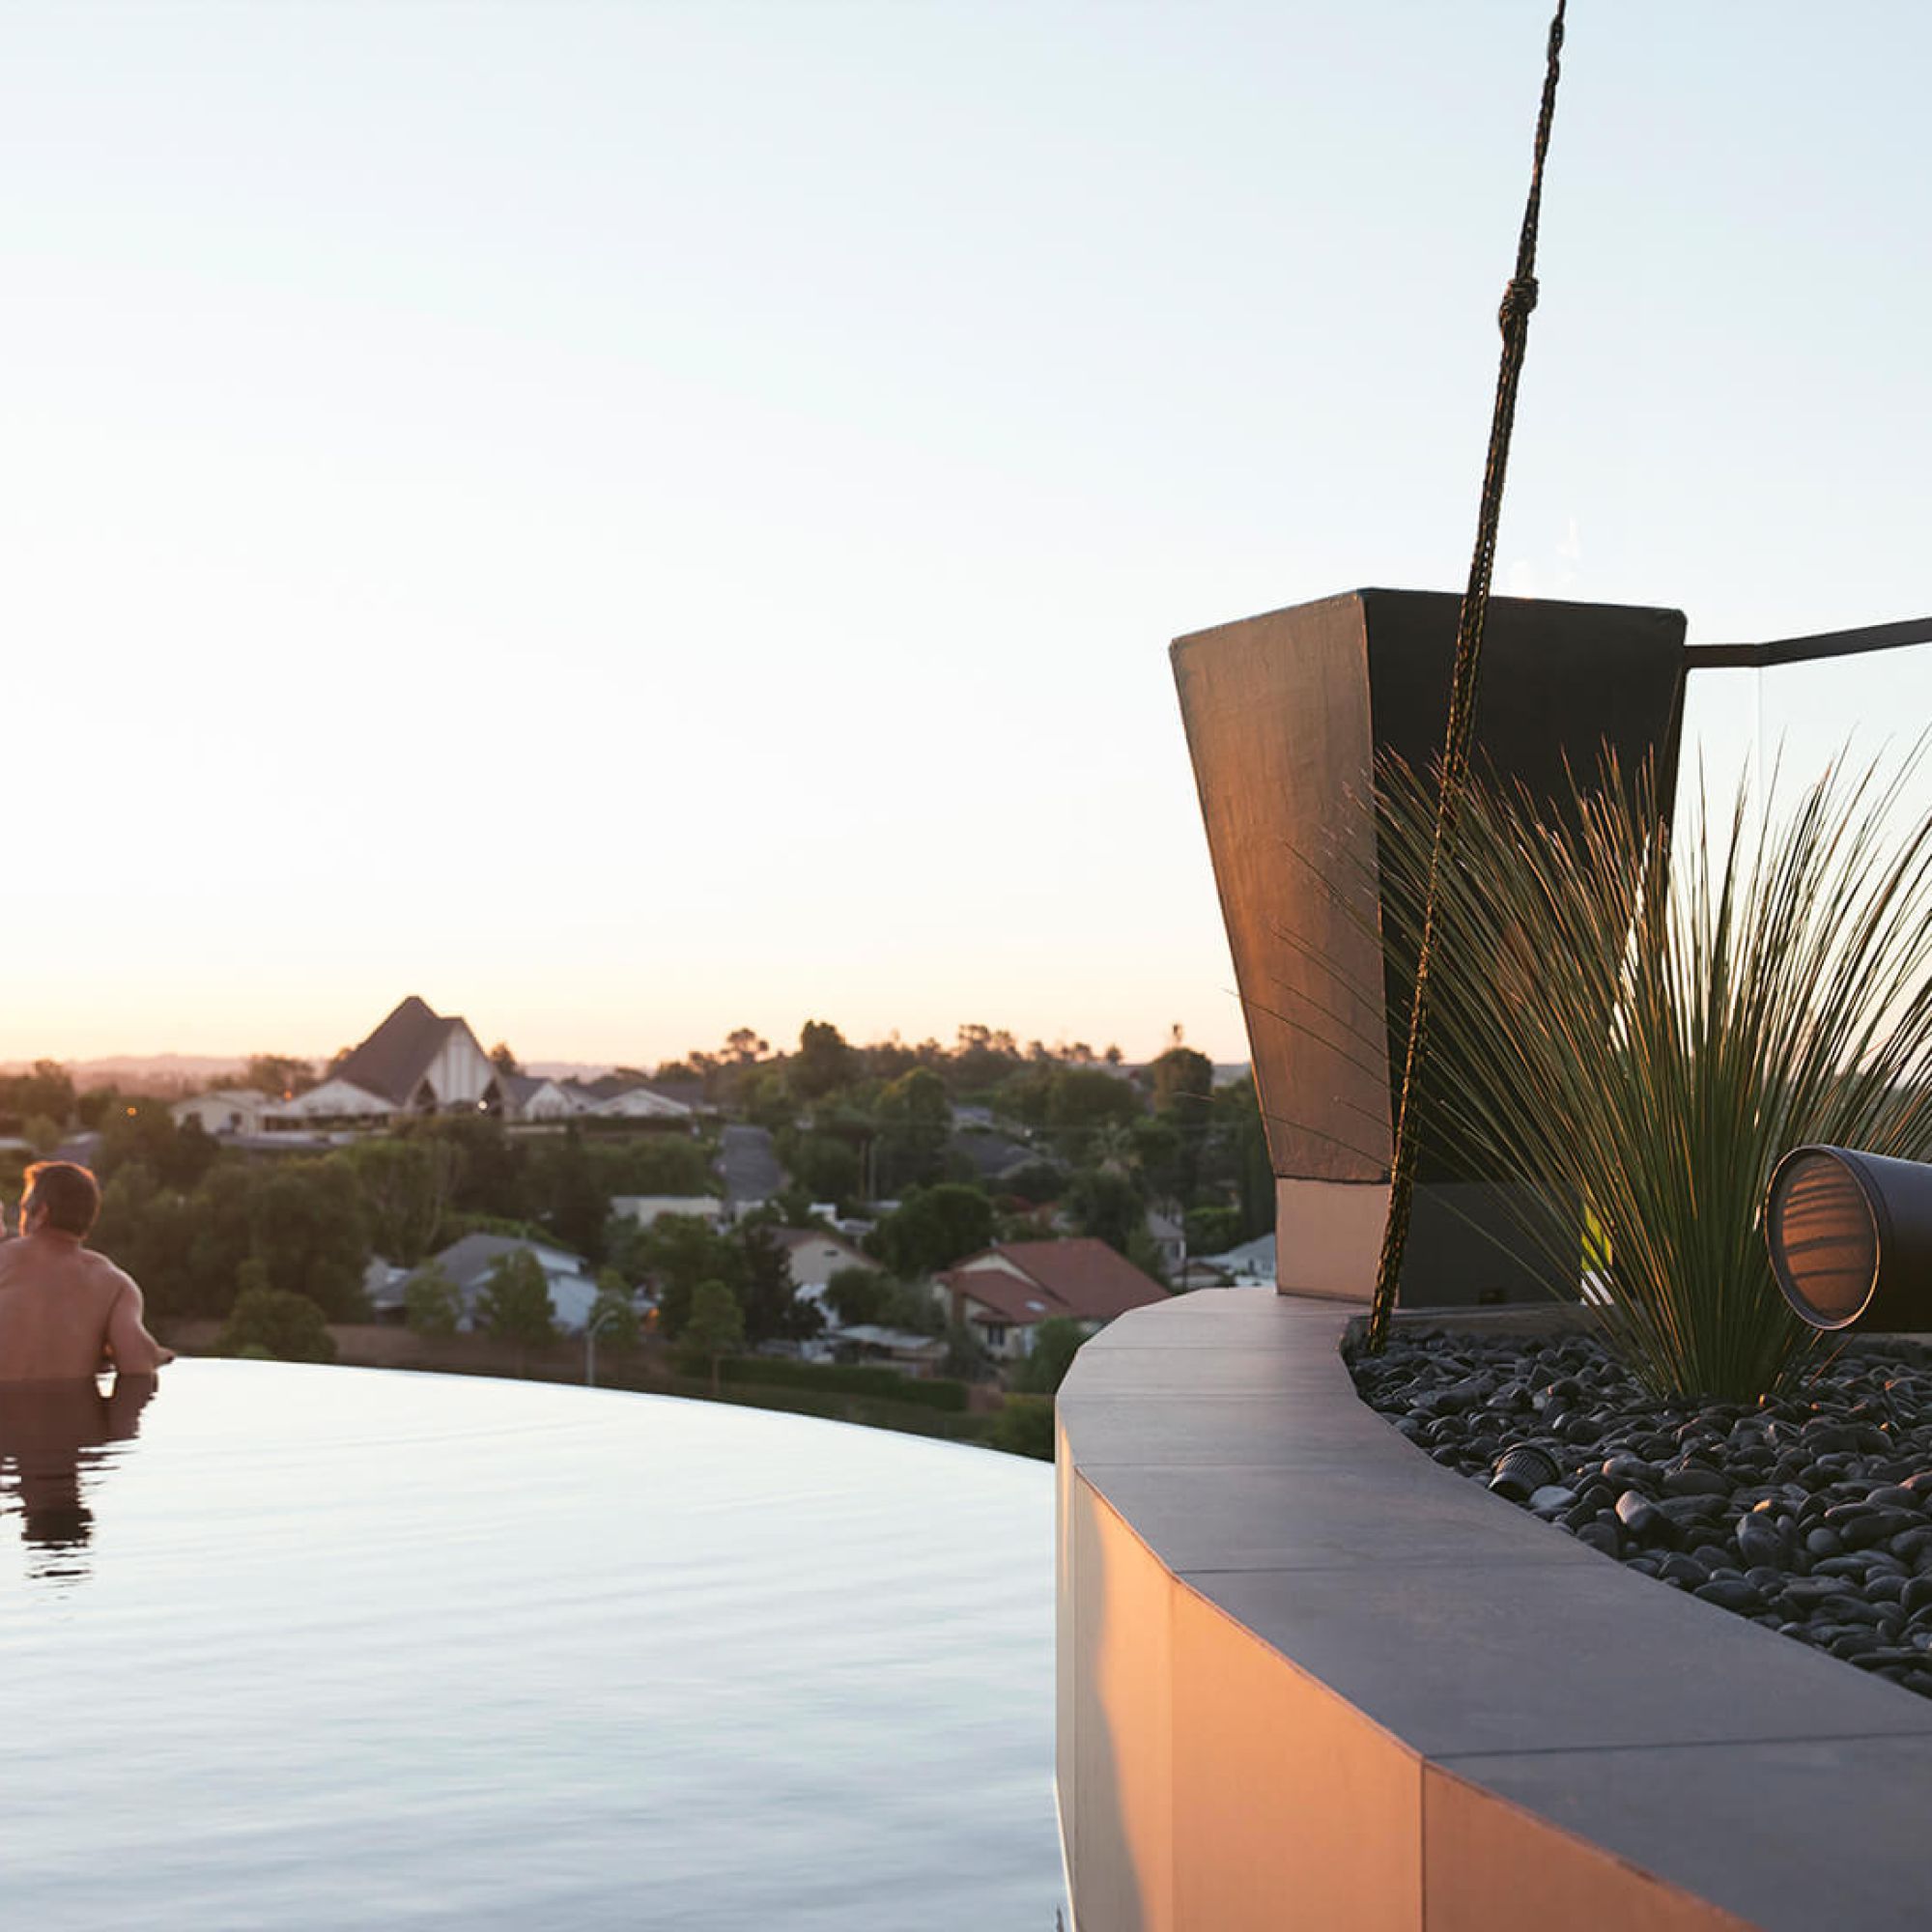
[329, 1648]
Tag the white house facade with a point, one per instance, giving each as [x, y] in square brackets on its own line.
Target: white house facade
[645, 1210]
[227, 1110]
[639, 1103]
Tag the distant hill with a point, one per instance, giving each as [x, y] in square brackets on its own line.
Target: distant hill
[144, 1072]
[175, 1073]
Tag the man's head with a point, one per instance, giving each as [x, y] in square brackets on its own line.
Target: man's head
[60, 1196]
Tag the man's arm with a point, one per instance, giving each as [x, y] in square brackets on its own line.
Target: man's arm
[135, 1351]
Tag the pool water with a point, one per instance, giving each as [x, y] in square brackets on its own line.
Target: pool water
[331, 1648]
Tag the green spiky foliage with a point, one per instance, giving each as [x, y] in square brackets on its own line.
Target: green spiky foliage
[1657, 1026]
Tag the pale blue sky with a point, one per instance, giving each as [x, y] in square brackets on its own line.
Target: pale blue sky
[633, 519]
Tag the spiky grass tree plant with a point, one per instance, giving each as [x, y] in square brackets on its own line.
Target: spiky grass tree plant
[1655, 1026]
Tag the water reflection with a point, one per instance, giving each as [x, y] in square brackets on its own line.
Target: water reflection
[55, 1444]
[542, 1657]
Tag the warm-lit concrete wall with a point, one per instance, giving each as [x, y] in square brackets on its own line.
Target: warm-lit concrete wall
[1309, 1679]
[1329, 1235]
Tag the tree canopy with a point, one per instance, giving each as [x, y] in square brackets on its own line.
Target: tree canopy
[432, 1303]
[276, 1074]
[47, 1090]
[1108, 1204]
[270, 1320]
[716, 1328]
[1183, 1079]
[677, 1252]
[915, 1124]
[935, 1227]
[514, 1305]
[1056, 1342]
[406, 1187]
[824, 1062]
[613, 1314]
[824, 1165]
[773, 1310]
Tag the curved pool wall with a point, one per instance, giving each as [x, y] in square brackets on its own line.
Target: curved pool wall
[1308, 1677]
[321, 1648]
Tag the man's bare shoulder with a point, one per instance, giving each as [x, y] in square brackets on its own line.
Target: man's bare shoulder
[109, 1273]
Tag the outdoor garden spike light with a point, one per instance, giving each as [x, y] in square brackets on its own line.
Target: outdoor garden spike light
[1851, 1238]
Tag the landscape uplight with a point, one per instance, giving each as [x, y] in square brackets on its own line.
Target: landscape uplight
[1850, 1235]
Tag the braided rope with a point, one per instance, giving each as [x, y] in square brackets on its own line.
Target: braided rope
[1518, 300]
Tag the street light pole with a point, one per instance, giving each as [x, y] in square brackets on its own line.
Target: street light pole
[592, 1327]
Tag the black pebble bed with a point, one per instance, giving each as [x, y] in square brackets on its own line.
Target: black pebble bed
[1810, 1512]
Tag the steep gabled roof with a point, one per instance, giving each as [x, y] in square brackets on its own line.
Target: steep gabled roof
[1019, 1302]
[393, 1059]
[468, 1261]
[991, 1152]
[793, 1239]
[518, 1089]
[637, 1102]
[1083, 1278]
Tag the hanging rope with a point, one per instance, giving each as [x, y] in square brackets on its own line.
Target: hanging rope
[1519, 299]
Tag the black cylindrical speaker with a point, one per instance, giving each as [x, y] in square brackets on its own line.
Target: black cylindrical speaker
[1851, 1238]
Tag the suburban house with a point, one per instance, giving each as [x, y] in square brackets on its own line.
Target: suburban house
[226, 1110]
[1005, 1292]
[416, 1062]
[535, 1096]
[639, 1103]
[1168, 1236]
[468, 1263]
[422, 1062]
[816, 1256]
[647, 1210]
[531, 1097]
[1249, 1265]
[901, 1348]
[242, 1116]
[993, 1155]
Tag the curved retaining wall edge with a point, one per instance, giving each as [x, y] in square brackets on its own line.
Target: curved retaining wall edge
[1307, 1678]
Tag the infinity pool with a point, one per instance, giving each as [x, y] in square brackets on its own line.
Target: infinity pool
[334, 1648]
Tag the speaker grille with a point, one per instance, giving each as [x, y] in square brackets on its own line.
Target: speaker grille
[1824, 1242]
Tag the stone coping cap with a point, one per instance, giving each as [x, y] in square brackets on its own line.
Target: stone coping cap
[1763, 1776]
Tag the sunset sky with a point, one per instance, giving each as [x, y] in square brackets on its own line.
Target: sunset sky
[633, 519]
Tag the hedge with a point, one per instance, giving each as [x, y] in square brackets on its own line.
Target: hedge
[886, 1384]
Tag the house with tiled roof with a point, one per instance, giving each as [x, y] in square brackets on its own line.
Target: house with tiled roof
[1004, 1293]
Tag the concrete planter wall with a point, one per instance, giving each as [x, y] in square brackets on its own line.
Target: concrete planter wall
[1309, 1679]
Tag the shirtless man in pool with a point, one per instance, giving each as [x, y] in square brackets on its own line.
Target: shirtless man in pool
[63, 1308]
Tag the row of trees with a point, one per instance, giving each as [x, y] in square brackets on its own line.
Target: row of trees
[187, 1220]
[681, 1252]
[1108, 1153]
[1110, 1148]
[745, 1073]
